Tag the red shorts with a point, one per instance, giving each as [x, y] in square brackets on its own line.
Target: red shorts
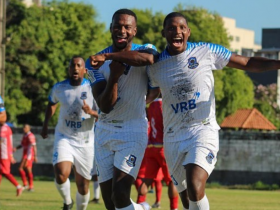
[5, 166]
[142, 169]
[154, 161]
[28, 163]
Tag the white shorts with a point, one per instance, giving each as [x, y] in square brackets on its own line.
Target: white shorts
[81, 157]
[201, 149]
[124, 150]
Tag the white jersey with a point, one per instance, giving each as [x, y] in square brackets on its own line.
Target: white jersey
[73, 123]
[128, 114]
[187, 86]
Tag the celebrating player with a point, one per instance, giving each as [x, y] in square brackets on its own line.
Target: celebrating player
[184, 74]
[74, 137]
[29, 155]
[121, 131]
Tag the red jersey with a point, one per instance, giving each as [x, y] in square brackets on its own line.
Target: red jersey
[156, 122]
[6, 142]
[27, 143]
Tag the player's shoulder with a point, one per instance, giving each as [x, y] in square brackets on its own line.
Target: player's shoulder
[143, 46]
[61, 84]
[85, 82]
[106, 50]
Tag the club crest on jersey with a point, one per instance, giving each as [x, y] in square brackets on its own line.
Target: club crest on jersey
[131, 161]
[192, 63]
[83, 95]
[210, 157]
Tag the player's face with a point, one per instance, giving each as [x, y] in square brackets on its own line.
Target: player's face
[176, 33]
[77, 70]
[123, 29]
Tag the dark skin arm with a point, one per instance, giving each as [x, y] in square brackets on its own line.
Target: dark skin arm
[253, 64]
[51, 108]
[88, 110]
[152, 95]
[106, 92]
[132, 58]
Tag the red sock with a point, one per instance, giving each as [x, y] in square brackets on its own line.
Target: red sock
[12, 179]
[138, 182]
[141, 198]
[174, 202]
[0, 178]
[30, 179]
[23, 177]
[158, 186]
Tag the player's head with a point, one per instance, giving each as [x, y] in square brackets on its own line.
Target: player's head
[176, 32]
[76, 70]
[26, 128]
[123, 28]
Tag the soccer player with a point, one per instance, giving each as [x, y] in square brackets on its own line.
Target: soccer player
[29, 155]
[96, 187]
[6, 149]
[184, 74]
[119, 88]
[154, 155]
[74, 137]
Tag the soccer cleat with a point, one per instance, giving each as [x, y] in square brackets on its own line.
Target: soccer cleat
[19, 191]
[30, 190]
[95, 200]
[156, 206]
[145, 206]
[69, 206]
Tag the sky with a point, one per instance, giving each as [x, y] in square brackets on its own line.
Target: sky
[249, 14]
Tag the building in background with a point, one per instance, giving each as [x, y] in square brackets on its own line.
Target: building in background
[29, 3]
[242, 40]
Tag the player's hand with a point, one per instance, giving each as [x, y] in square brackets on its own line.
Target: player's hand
[116, 69]
[44, 132]
[14, 149]
[35, 159]
[13, 160]
[86, 107]
[96, 61]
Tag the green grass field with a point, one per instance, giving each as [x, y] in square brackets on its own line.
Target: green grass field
[46, 197]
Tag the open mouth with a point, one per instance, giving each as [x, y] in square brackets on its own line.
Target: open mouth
[177, 42]
[121, 39]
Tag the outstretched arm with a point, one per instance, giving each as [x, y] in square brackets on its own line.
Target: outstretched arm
[106, 92]
[253, 64]
[51, 108]
[132, 58]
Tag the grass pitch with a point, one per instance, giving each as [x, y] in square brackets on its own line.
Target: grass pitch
[46, 197]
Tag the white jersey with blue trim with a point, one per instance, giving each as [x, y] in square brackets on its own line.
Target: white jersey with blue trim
[73, 123]
[2, 107]
[128, 114]
[187, 86]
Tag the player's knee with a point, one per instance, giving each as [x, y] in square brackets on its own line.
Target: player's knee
[196, 189]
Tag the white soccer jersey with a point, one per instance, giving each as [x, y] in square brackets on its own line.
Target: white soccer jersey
[128, 114]
[73, 123]
[187, 86]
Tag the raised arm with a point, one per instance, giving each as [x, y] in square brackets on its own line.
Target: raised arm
[253, 64]
[106, 92]
[51, 108]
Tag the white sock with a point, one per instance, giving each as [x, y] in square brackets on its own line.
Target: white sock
[96, 190]
[82, 201]
[132, 206]
[64, 191]
[203, 204]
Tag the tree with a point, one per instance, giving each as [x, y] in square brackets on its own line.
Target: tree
[43, 41]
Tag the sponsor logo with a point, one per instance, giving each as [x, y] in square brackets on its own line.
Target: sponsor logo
[184, 106]
[73, 124]
[192, 63]
[131, 161]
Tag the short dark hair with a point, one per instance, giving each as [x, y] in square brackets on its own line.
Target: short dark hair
[73, 57]
[172, 15]
[124, 12]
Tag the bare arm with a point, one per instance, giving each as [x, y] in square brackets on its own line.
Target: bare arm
[51, 108]
[106, 93]
[35, 153]
[253, 64]
[88, 110]
[132, 58]
[152, 95]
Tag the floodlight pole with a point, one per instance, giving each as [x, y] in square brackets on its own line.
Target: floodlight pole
[2, 45]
